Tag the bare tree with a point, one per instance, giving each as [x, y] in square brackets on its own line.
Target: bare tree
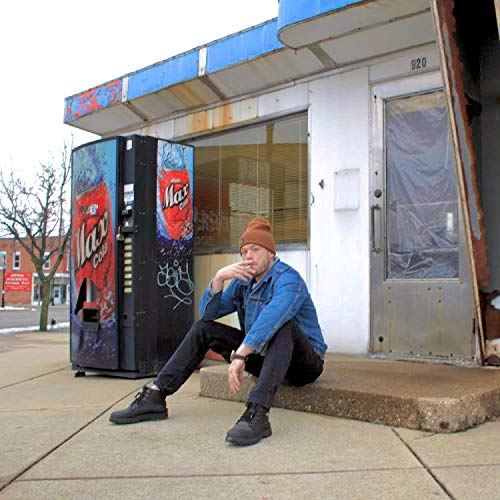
[36, 214]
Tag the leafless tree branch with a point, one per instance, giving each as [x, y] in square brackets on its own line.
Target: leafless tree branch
[36, 211]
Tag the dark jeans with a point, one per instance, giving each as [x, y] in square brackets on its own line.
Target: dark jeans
[289, 355]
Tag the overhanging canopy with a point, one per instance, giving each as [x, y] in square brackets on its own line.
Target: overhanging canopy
[307, 38]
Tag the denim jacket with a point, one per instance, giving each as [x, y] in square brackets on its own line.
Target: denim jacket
[263, 309]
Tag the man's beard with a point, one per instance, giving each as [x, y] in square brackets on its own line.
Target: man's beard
[263, 272]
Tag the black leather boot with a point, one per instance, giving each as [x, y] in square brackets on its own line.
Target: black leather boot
[147, 405]
[251, 427]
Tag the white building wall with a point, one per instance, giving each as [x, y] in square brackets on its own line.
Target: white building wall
[339, 127]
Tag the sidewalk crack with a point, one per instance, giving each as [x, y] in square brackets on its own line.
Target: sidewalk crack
[423, 464]
[33, 378]
[221, 474]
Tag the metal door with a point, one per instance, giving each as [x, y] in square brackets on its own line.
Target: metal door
[421, 297]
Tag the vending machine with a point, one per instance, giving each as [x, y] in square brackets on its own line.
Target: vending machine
[131, 254]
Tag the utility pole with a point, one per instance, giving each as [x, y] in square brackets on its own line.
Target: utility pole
[3, 265]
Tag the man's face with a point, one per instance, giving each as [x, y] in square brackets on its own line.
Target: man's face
[257, 258]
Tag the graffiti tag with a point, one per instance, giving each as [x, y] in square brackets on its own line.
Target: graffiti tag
[177, 280]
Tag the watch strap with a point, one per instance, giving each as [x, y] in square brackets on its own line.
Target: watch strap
[235, 355]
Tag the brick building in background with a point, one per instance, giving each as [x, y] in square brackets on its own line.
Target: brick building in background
[19, 278]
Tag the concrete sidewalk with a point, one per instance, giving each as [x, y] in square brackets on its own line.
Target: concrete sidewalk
[56, 442]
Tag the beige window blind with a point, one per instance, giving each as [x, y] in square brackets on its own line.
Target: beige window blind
[260, 170]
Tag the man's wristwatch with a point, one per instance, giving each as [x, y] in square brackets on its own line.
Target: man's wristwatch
[234, 356]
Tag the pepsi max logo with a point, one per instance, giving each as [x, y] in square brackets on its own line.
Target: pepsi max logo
[176, 198]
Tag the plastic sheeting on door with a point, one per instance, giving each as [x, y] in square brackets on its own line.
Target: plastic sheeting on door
[422, 198]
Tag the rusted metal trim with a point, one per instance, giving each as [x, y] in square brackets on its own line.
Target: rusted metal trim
[452, 70]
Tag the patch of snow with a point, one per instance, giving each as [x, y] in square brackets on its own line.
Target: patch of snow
[31, 328]
[14, 308]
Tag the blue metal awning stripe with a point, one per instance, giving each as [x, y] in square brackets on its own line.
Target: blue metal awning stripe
[297, 11]
[243, 46]
[175, 70]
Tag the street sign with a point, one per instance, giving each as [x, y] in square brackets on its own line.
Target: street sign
[3, 260]
[17, 282]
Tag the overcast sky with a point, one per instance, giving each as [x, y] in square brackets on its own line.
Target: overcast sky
[53, 49]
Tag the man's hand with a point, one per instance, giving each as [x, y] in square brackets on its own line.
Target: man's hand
[235, 374]
[238, 270]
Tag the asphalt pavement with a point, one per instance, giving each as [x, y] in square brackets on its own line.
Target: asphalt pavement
[57, 442]
[26, 316]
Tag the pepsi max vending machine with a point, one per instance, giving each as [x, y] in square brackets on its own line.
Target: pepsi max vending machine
[131, 254]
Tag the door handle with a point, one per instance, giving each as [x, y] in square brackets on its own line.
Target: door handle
[374, 249]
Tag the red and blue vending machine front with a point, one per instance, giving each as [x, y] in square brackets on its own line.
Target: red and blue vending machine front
[132, 266]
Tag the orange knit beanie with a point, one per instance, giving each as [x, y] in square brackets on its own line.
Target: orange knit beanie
[258, 231]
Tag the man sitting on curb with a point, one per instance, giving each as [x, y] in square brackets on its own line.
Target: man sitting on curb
[280, 337]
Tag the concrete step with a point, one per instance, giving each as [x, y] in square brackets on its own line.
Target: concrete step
[425, 396]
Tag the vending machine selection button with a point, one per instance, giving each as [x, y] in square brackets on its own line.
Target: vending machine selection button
[127, 255]
[127, 290]
[128, 276]
[127, 261]
[127, 283]
[127, 269]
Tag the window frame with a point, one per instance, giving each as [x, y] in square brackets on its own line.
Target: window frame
[15, 267]
[263, 122]
[46, 264]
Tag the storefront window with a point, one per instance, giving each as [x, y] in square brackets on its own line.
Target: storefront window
[422, 198]
[261, 170]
